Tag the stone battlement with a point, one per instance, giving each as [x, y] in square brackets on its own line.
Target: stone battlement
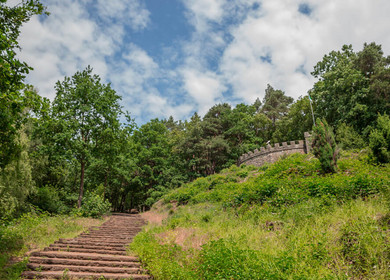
[273, 153]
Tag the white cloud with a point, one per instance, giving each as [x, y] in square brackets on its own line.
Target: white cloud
[202, 12]
[296, 42]
[71, 38]
[205, 88]
[237, 46]
[130, 13]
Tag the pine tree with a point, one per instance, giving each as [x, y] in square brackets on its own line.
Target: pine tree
[324, 146]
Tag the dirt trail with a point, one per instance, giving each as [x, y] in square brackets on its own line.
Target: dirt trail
[99, 253]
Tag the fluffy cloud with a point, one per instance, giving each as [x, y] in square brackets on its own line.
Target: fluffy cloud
[72, 37]
[235, 49]
[204, 88]
[279, 42]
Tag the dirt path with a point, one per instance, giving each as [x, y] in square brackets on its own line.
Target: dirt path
[99, 252]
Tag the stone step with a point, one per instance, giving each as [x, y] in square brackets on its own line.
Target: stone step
[80, 275]
[75, 268]
[83, 256]
[96, 254]
[83, 246]
[100, 235]
[73, 242]
[76, 262]
[81, 250]
[95, 241]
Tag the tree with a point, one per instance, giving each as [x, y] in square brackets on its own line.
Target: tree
[380, 140]
[84, 111]
[353, 87]
[12, 75]
[275, 104]
[295, 123]
[324, 146]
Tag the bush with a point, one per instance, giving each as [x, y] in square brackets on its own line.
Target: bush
[348, 138]
[93, 205]
[380, 140]
[48, 199]
[324, 146]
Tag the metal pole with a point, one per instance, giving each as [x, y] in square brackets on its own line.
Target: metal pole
[312, 113]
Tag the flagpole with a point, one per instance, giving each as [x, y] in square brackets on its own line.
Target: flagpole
[311, 107]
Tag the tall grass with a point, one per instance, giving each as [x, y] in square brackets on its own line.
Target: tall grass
[33, 232]
[282, 221]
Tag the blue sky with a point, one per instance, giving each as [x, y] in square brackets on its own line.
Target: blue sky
[178, 57]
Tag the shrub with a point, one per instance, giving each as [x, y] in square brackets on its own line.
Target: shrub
[93, 205]
[324, 146]
[380, 140]
[47, 198]
[348, 137]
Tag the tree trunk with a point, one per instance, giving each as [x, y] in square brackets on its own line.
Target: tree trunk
[105, 184]
[81, 184]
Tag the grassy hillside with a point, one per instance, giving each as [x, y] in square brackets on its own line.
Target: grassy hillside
[281, 221]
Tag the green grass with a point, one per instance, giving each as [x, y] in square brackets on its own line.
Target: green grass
[33, 232]
[281, 221]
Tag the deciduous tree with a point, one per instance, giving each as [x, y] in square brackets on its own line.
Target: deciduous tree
[84, 112]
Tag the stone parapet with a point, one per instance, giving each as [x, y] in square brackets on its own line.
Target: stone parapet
[273, 153]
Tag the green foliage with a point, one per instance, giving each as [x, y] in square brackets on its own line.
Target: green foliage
[16, 182]
[348, 138]
[34, 231]
[284, 183]
[324, 146]
[297, 121]
[93, 206]
[12, 74]
[84, 112]
[282, 221]
[275, 104]
[380, 140]
[169, 261]
[352, 87]
[48, 198]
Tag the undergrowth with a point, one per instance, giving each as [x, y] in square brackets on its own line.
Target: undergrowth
[34, 231]
[281, 221]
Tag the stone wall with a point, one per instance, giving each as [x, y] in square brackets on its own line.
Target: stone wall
[271, 154]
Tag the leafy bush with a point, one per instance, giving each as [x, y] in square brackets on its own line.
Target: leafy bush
[48, 199]
[380, 140]
[324, 146]
[348, 138]
[93, 205]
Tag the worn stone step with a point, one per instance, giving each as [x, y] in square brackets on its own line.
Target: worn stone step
[80, 275]
[73, 242]
[83, 256]
[107, 236]
[83, 246]
[75, 268]
[81, 250]
[76, 262]
[124, 234]
[95, 241]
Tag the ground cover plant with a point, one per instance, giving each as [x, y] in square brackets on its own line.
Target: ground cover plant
[33, 232]
[286, 220]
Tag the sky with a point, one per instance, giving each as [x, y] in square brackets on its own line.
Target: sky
[176, 57]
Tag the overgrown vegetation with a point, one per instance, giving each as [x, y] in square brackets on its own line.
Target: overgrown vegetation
[83, 142]
[34, 231]
[324, 146]
[280, 221]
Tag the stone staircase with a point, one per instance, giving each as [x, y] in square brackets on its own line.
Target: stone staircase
[97, 254]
